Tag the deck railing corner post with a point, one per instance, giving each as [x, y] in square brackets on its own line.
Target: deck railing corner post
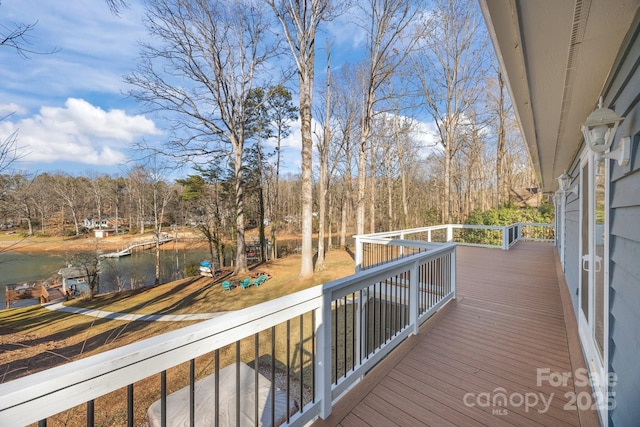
[359, 253]
[323, 361]
[414, 309]
[505, 238]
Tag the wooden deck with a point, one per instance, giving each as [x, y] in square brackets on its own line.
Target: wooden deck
[508, 321]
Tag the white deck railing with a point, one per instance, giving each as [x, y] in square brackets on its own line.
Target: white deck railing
[377, 248]
[335, 333]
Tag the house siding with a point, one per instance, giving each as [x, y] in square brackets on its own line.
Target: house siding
[622, 93]
[624, 239]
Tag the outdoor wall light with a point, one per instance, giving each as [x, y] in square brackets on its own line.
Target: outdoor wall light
[563, 181]
[599, 131]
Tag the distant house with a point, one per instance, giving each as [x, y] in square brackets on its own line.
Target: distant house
[526, 197]
[92, 223]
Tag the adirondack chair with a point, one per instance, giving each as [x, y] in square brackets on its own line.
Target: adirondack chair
[227, 286]
[259, 280]
[245, 283]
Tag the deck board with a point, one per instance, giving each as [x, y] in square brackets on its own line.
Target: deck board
[507, 321]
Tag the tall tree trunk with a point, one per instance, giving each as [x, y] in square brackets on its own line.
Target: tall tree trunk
[241, 254]
[446, 183]
[501, 146]
[306, 263]
[362, 182]
[343, 221]
[324, 159]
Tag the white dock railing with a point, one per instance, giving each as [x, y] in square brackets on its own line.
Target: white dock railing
[324, 339]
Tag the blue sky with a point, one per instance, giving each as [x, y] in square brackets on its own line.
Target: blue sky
[69, 106]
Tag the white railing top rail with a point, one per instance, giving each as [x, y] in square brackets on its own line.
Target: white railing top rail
[419, 244]
[403, 232]
[38, 396]
[511, 234]
[345, 286]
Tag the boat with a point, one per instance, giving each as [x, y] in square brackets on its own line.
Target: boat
[207, 268]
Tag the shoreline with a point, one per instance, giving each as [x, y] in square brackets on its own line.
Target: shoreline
[108, 244]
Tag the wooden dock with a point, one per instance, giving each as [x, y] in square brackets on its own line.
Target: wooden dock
[138, 245]
[511, 317]
[32, 293]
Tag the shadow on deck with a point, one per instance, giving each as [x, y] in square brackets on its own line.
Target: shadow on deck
[488, 358]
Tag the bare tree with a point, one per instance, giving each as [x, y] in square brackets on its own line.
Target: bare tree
[206, 60]
[300, 20]
[347, 109]
[499, 108]
[72, 191]
[387, 24]
[323, 144]
[9, 150]
[89, 265]
[162, 195]
[116, 6]
[451, 66]
[282, 113]
[15, 36]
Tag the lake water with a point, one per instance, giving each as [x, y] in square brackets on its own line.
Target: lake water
[135, 271]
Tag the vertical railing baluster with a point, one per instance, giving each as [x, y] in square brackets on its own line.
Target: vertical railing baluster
[163, 398]
[354, 341]
[216, 403]
[313, 356]
[387, 311]
[90, 413]
[374, 329]
[238, 384]
[334, 316]
[344, 340]
[256, 345]
[130, 405]
[288, 363]
[273, 374]
[192, 392]
[301, 361]
[392, 306]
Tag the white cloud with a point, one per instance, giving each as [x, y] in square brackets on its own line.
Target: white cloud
[79, 132]
[11, 108]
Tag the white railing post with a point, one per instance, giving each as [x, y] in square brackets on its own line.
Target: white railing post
[449, 233]
[359, 253]
[454, 288]
[414, 286]
[323, 362]
[505, 238]
[429, 235]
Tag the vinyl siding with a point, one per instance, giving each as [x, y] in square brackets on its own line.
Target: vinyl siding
[623, 92]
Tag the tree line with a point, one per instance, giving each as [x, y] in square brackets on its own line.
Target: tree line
[367, 161]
